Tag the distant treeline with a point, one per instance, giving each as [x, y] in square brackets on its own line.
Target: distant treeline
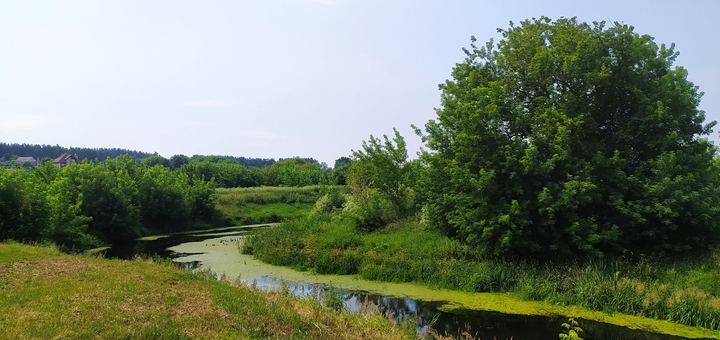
[39, 152]
[9, 152]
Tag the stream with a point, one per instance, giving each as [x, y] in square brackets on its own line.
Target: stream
[446, 312]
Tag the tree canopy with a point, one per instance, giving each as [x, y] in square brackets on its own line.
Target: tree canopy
[571, 139]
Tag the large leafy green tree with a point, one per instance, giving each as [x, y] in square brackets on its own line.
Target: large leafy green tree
[570, 139]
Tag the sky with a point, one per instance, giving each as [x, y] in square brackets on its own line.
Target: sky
[275, 78]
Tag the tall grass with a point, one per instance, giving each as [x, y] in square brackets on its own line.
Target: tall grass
[268, 204]
[684, 291]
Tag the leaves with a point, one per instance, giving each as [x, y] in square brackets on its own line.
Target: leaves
[566, 140]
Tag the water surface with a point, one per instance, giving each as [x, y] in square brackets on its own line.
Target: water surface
[485, 315]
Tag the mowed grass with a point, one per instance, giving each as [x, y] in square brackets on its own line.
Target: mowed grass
[46, 294]
[268, 204]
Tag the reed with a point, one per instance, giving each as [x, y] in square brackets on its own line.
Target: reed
[684, 291]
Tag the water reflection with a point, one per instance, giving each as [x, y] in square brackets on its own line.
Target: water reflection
[427, 314]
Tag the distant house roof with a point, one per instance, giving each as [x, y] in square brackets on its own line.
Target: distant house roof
[64, 159]
[23, 160]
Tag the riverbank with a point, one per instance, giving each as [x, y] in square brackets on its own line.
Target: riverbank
[647, 293]
[46, 294]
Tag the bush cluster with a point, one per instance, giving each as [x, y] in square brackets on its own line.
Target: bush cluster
[84, 205]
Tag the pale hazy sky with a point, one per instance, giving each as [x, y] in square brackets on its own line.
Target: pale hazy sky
[274, 78]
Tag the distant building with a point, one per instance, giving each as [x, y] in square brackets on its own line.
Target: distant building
[65, 159]
[22, 160]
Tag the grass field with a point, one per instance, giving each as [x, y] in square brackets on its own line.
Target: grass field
[45, 294]
[268, 204]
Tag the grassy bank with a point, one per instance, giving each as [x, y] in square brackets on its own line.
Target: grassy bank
[268, 204]
[46, 294]
[682, 291]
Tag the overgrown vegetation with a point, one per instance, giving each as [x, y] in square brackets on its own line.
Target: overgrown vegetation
[81, 206]
[45, 294]
[85, 205]
[683, 290]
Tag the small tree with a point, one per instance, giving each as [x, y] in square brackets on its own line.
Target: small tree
[383, 166]
[568, 139]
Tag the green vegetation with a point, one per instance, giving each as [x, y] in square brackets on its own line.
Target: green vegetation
[571, 330]
[81, 206]
[45, 294]
[569, 140]
[269, 204]
[568, 164]
[227, 174]
[382, 179]
[10, 151]
[683, 291]
[230, 173]
[295, 172]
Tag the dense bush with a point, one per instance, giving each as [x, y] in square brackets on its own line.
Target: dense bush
[227, 174]
[294, 172]
[382, 179]
[85, 205]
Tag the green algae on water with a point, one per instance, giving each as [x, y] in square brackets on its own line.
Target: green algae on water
[222, 257]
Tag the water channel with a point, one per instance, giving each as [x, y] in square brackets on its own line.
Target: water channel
[218, 250]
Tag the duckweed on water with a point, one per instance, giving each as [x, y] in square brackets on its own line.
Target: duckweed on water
[646, 292]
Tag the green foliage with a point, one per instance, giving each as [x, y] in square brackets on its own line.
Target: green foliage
[23, 209]
[572, 140]
[83, 205]
[155, 160]
[382, 179]
[109, 197]
[294, 172]
[270, 204]
[369, 210]
[68, 227]
[177, 161]
[571, 330]
[340, 170]
[164, 199]
[683, 291]
[227, 174]
[329, 202]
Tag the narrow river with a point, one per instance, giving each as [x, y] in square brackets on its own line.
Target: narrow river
[485, 315]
